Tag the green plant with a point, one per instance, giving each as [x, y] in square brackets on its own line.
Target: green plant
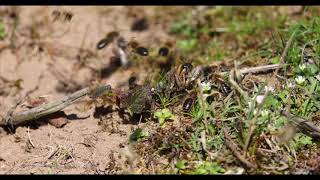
[188, 44]
[300, 141]
[196, 111]
[163, 115]
[137, 100]
[181, 165]
[208, 168]
[138, 134]
[2, 30]
[165, 102]
[183, 27]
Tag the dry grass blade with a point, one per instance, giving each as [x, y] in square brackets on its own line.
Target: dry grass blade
[284, 53]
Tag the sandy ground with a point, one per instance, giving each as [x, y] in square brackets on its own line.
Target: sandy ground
[81, 146]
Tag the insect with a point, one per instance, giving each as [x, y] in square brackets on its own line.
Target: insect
[110, 37]
[187, 67]
[132, 46]
[187, 105]
[181, 74]
[137, 48]
[163, 51]
[64, 16]
[207, 72]
[121, 43]
[225, 88]
[132, 82]
[142, 51]
[210, 99]
[195, 74]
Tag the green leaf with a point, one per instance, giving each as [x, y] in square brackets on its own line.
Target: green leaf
[280, 122]
[313, 86]
[163, 115]
[138, 134]
[300, 141]
[275, 60]
[313, 69]
[180, 165]
[209, 168]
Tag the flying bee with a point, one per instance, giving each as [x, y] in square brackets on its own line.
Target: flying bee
[163, 51]
[110, 37]
[138, 49]
[285, 134]
[64, 16]
[142, 51]
[132, 46]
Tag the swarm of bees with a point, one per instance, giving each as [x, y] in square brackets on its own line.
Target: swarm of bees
[125, 48]
[179, 80]
[61, 15]
[183, 80]
[123, 44]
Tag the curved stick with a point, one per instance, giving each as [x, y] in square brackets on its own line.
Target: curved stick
[52, 107]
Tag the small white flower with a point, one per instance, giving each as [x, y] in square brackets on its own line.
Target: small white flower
[269, 88]
[302, 67]
[300, 80]
[259, 99]
[206, 86]
[291, 84]
[264, 113]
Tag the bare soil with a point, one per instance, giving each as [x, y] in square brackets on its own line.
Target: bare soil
[82, 145]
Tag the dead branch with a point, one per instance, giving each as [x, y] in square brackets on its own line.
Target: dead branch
[258, 69]
[234, 84]
[305, 126]
[49, 108]
[231, 145]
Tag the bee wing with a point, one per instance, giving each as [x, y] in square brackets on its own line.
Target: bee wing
[285, 134]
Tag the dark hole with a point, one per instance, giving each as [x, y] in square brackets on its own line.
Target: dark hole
[140, 25]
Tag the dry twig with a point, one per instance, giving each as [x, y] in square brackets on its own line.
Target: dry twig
[49, 108]
[231, 145]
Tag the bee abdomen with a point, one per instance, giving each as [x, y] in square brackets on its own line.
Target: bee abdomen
[187, 105]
